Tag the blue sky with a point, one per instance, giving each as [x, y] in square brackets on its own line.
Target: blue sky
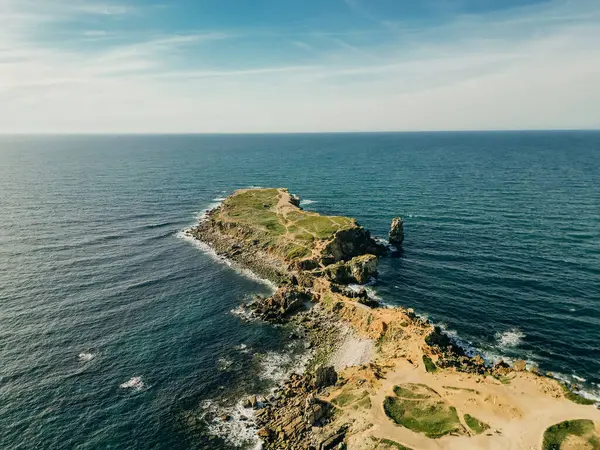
[285, 66]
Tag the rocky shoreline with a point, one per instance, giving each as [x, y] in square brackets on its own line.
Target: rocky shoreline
[312, 270]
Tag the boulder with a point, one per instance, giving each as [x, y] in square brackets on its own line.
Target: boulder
[359, 269]
[501, 368]
[295, 200]
[349, 243]
[519, 365]
[396, 235]
[324, 376]
[287, 300]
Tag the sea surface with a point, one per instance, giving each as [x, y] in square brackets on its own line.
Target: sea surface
[118, 333]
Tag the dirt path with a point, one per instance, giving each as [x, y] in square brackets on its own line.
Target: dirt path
[518, 414]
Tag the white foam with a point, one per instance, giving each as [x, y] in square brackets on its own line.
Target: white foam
[86, 356]
[243, 313]
[307, 202]
[219, 199]
[224, 364]
[510, 338]
[240, 428]
[134, 383]
[208, 250]
[276, 366]
[590, 392]
[242, 348]
[235, 431]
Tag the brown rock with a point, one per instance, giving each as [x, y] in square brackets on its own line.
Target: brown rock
[520, 365]
[396, 235]
[324, 376]
[264, 433]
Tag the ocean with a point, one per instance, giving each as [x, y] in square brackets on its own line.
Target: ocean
[118, 333]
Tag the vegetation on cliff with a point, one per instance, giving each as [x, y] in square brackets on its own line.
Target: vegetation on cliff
[416, 385]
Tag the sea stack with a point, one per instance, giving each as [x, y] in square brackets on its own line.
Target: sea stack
[396, 236]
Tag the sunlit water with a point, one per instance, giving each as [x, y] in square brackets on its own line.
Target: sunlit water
[115, 331]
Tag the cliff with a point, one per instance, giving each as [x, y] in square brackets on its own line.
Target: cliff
[398, 382]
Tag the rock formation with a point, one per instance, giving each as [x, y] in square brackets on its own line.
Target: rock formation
[313, 259]
[396, 235]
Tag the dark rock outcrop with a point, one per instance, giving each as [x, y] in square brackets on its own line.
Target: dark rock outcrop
[396, 235]
[359, 269]
[286, 301]
[324, 377]
[350, 243]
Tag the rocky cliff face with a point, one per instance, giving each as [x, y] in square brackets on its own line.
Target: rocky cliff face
[359, 269]
[347, 244]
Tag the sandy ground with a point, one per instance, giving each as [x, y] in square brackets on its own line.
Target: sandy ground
[354, 351]
[518, 413]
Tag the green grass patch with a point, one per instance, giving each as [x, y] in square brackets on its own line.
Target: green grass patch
[420, 409]
[357, 400]
[414, 391]
[575, 398]
[295, 251]
[583, 430]
[255, 207]
[387, 444]
[323, 227]
[364, 403]
[432, 418]
[429, 364]
[476, 425]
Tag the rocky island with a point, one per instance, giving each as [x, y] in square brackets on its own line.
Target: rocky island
[379, 377]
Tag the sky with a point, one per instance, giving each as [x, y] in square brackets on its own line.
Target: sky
[237, 66]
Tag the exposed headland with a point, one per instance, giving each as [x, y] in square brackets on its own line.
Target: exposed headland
[378, 377]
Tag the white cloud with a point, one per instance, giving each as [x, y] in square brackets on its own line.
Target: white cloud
[533, 68]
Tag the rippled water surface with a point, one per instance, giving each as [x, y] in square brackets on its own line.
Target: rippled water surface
[117, 333]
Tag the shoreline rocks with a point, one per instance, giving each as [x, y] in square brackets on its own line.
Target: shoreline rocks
[298, 415]
[396, 234]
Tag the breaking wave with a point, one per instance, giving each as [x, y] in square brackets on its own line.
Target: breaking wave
[208, 250]
[510, 338]
[134, 383]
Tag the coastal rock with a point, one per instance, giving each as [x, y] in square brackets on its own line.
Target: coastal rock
[295, 200]
[324, 376]
[359, 269]
[519, 365]
[396, 235]
[501, 368]
[349, 243]
[286, 301]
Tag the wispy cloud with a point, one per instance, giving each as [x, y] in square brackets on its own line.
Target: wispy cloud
[529, 67]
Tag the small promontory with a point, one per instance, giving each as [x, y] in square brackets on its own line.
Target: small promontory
[379, 377]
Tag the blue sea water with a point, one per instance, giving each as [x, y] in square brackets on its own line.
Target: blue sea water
[97, 287]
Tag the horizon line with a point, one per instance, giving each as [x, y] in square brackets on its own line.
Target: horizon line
[263, 133]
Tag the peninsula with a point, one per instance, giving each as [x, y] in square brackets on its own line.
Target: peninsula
[379, 377]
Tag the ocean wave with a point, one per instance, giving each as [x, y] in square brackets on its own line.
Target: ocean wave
[510, 338]
[277, 366]
[242, 348]
[86, 356]
[224, 364]
[369, 288]
[575, 384]
[307, 202]
[208, 250]
[134, 383]
[243, 313]
[232, 423]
